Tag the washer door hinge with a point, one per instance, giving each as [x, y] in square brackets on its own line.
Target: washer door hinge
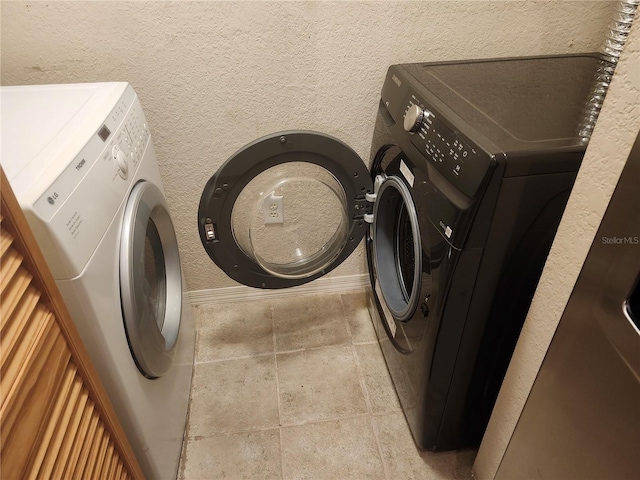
[364, 207]
[371, 198]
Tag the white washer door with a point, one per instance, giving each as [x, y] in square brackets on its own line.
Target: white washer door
[150, 280]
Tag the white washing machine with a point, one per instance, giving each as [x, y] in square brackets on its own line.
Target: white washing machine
[82, 164]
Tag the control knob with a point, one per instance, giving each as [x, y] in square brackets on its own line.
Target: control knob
[123, 166]
[120, 159]
[415, 117]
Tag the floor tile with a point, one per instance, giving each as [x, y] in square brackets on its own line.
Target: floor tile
[309, 321]
[233, 395]
[248, 455]
[227, 331]
[319, 384]
[342, 449]
[357, 317]
[327, 361]
[405, 461]
[380, 390]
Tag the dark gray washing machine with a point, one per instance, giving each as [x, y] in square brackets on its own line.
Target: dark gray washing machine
[471, 167]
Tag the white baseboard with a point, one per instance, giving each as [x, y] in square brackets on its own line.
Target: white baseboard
[242, 294]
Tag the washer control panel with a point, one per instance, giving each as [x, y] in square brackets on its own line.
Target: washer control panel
[129, 142]
[445, 147]
[454, 155]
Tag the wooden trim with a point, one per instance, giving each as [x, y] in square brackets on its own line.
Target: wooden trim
[35, 264]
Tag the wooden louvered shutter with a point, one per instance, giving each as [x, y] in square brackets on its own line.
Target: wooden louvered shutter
[55, 418]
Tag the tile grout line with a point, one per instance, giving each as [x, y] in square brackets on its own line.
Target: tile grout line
[279, 427]
[275, 358]
[294, 424]
[370, 412]
[387, 474]
[239, 357]
[365, 391]
[187, 427]
[264, 354]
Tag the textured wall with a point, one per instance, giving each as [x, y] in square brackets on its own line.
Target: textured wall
[615, 132]
[213, 76]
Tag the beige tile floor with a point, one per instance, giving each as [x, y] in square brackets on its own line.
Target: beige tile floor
[298, 389]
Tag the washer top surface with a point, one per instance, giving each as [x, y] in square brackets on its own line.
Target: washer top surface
[519, 104]
[45, 126]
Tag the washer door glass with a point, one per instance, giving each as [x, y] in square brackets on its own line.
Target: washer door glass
[285, 209]
[301, 240]
[150, 280]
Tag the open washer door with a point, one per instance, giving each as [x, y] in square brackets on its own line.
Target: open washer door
[285, 209]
